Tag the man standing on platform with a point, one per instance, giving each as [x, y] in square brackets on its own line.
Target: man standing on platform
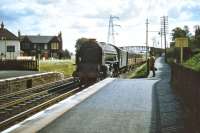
[151, 63]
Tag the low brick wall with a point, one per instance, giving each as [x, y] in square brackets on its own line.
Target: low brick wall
[186, 83]
[11, 85]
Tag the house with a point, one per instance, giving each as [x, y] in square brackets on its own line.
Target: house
[9, 44]
[41, 46]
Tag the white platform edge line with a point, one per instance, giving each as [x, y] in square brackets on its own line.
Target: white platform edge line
[43, 118]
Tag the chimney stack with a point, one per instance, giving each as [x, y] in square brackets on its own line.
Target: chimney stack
[19, 35]
[2, 25]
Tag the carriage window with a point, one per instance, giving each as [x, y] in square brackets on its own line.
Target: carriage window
[110, 57]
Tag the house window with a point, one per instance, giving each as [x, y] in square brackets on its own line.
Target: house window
[45, 46]
[40, 47]
[34, 46]
[10, 48]
[54, 45]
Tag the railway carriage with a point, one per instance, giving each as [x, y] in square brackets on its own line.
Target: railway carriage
[122, 59]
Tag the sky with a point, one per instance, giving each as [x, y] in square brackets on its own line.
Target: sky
[90, 18]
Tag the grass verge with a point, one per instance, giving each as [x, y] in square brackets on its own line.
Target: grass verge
[193, 63]
[63, 66]
[140, 72]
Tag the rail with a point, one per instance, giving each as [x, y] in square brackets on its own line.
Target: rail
[23, 93]
[31, 111]
[25, 103]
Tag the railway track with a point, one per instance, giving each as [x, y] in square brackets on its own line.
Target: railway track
[25, 105]
[23, 93]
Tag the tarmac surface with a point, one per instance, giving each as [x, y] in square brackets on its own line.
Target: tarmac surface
[170, 114]
[145, 105]
[12, 73]
[114, 109]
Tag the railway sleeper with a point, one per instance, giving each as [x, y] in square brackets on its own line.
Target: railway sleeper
[8, 109]
[28, 102]
[39, 98]
[2, 112]
[16, 106]
[22, 104]
[33, 100]
[16, 97]
[3, 100]
[42, 97]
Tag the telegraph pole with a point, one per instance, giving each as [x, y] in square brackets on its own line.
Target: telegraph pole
[109, 26]
[146, 37]
[164, 30]
[161, 39]
[111, 31]
[165, 38]
[161, 32]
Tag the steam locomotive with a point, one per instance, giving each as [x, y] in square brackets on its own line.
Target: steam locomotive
[97, 60]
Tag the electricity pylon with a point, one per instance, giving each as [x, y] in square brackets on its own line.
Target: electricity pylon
[111, 31]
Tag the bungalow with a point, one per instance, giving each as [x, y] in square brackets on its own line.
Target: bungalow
[9, 44]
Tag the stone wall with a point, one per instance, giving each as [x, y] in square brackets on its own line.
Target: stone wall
[11, 85]
[186, 83]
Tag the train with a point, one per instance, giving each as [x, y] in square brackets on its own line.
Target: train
[98, 60]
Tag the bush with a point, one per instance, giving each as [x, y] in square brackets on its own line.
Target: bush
[193, 63]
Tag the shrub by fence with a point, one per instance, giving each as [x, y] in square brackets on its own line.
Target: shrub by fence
[19, 65]
[186, 82]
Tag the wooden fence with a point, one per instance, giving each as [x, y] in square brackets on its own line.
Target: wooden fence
[186, 83]
[32, 65]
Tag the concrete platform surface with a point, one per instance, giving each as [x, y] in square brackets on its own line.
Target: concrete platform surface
[12, 73]
[123, 106]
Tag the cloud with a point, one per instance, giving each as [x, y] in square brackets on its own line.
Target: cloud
[89, 18]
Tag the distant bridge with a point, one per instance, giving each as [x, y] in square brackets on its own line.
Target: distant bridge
[141, 49]
[134, 49]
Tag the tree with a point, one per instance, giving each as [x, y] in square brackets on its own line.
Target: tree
[197, 32]
[80, 42]
[66, 54]
[178, 32]
[186, 29]
[196, 40]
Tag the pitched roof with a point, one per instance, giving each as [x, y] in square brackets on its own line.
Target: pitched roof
[6, 34]
[38, 38]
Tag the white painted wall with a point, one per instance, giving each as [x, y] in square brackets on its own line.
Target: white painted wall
[9, 55]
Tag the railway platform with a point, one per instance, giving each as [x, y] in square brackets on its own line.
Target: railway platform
[13, 73]
[145, 105]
